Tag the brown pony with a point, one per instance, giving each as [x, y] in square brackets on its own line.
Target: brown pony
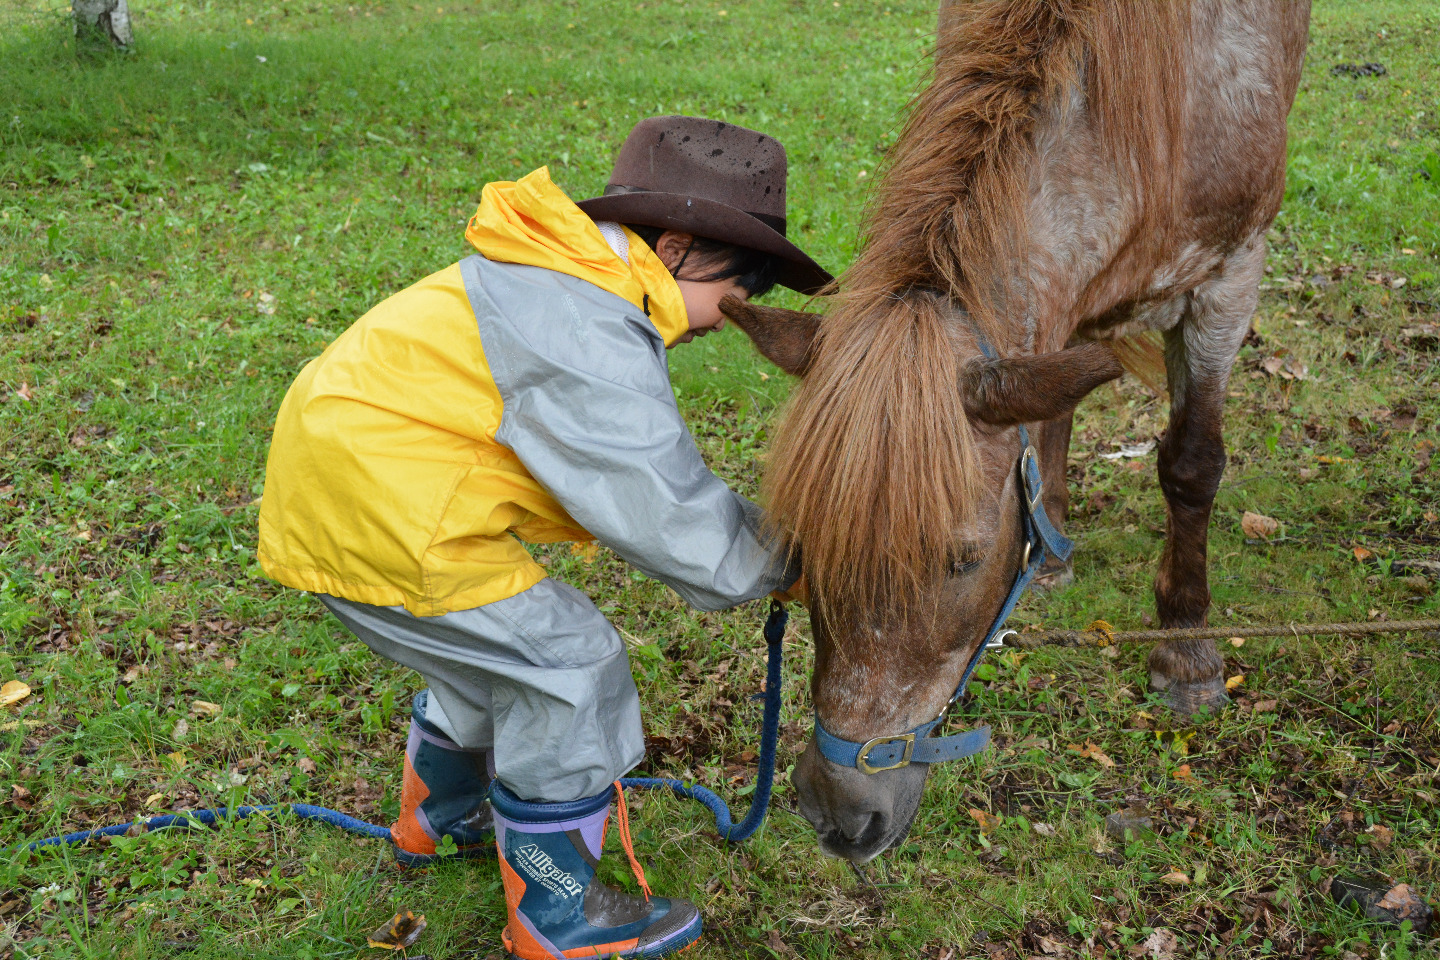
[1077, 172]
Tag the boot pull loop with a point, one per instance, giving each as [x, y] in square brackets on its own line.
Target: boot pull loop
[622, 820]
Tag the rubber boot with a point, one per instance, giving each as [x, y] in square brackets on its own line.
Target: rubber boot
[445, 793]
[557, 908]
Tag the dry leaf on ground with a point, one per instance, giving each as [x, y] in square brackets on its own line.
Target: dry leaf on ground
[1380, 836]
[204, 708]
[400, 933]
[1092, 752]
[1049, 946]
[586, 550]
[988, 822]
[1235, 682]
[13, 692]
[1257, 526]
[1403, 901]
[1160, 945]
[1176, 878]
[1044, 829]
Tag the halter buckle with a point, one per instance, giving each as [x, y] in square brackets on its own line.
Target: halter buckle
[907, 738]
[1028, 457]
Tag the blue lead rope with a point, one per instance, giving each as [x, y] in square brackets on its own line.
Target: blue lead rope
[735, 833]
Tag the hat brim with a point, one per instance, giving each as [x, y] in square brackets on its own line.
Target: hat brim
[717, 221]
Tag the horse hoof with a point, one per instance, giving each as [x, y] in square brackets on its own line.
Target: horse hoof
[1054, 575]
[1190, 699]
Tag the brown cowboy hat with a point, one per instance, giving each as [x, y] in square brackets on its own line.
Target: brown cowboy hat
[711, 179]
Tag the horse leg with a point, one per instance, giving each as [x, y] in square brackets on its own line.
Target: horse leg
[1053, 446]
[1199, 351]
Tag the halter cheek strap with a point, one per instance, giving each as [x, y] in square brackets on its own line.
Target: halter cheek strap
[916, 745]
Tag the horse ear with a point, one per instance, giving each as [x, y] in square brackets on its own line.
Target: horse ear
[1035, 389]
[784, 337]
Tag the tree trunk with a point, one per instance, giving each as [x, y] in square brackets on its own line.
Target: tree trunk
[102, 21]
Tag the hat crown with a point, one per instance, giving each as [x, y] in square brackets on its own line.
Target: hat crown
[708, 159]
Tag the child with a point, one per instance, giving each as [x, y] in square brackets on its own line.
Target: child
[524, 392]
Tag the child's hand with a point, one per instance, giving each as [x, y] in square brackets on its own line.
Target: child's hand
[799, 592]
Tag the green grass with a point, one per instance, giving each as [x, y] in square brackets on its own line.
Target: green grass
[148, 201]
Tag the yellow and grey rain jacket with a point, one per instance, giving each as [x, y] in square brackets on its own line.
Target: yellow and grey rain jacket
[522, 392]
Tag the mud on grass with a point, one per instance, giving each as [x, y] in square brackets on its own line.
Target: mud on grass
[183, 228]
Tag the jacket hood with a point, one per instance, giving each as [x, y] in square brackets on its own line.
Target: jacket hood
[531, 221]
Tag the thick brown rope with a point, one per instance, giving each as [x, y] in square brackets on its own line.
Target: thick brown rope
[1101, 634]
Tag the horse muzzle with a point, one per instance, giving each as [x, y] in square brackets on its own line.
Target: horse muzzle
[857, 816]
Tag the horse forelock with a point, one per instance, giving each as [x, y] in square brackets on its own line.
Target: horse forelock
[873, 470]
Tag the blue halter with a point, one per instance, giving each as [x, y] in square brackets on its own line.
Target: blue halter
[916, 745]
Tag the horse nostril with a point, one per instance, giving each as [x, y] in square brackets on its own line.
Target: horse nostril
[871, 831]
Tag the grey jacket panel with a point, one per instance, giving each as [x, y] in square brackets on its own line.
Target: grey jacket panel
[590, 412]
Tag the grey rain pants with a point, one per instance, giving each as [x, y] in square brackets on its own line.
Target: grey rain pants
[540, 678]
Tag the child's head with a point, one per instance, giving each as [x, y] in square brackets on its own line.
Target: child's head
[708, 270]
[709, 199]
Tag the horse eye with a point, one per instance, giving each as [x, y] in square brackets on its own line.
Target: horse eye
[962, 565]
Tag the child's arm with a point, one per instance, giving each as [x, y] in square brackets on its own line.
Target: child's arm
[621, 461]
[589, 410]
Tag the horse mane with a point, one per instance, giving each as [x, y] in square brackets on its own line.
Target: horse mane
[873, 468]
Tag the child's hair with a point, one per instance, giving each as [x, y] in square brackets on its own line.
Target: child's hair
[753, 270]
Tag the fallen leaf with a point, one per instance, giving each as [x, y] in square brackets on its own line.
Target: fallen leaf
[1048, 946]
[1160, 945]
[1266, 706]
[182, 727]
[21, 797]
[229, 779]
[1362, 554]
[1257, 526]
[13, 692]
[1182, 772]
[154, 800]
[1176, 878]
[1237, 641]
[1402, 899]
[306, 765]
[1129, 824]
[24, 393]
[586, 550]
[987, 822]
[1235, 682]
[135, 673]
[776, 943]
[1380, 836]
[178, 758]
[204, 708]
[1092, 752]
[400, 933]
[1044, 829]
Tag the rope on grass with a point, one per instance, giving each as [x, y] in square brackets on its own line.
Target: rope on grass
[1101, 634]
